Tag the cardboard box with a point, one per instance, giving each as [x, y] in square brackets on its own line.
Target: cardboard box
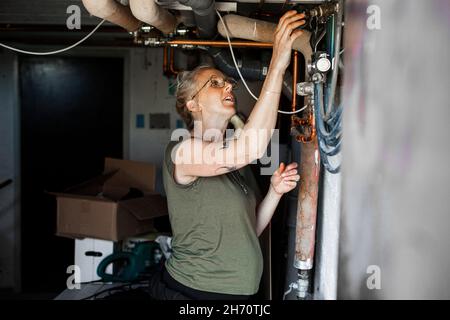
[113, 206]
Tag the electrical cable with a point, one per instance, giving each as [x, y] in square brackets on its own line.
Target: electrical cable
[328, 132]
[234, 58]
[336, 56]
[293, 112]
[57, 51]
[328, 114]
[292, 286]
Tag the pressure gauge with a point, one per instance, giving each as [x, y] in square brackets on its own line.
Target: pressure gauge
[323, 64]
[320, 63]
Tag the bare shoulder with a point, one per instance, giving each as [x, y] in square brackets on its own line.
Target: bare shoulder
[182, 156]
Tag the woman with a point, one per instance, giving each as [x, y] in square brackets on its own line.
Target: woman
[213, 213]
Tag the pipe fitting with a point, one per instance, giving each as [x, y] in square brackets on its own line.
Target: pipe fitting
[305, 89]
[302, 284]
[205, 16]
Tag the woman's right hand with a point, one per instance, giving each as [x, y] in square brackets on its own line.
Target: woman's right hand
[284, 36]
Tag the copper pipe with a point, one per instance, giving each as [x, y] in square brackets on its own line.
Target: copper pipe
[294, 80]
[172, 64]
[294, 117]
[165, 60]
[246, 44]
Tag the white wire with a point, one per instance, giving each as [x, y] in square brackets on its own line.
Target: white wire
[291, 286]
[293, 112]
[234, 59]
[239, 72]
[53, 52]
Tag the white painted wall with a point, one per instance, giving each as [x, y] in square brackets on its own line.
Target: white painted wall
[149, 93]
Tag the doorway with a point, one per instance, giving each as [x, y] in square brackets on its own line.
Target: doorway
[71, 119]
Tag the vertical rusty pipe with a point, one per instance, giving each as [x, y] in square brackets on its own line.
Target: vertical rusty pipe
[165, 60]
[307, 205]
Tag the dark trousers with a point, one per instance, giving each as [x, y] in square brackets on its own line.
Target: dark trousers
[164, 287]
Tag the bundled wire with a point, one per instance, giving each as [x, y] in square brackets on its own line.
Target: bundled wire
[329, 132]
[328, 115]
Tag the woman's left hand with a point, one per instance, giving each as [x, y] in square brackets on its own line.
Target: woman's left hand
[285, 178]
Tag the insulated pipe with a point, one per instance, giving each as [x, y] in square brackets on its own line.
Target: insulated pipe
[237, 122]
[151, 13]
[113, 12]
[251, 68]
[287, 84]
[261, 31]
[205, 16]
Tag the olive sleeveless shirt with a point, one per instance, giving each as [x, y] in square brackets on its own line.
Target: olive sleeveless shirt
[214, 246]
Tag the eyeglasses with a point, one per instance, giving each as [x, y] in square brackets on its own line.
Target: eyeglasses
[217, 82]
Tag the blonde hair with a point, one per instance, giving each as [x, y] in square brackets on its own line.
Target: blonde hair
[186, 85]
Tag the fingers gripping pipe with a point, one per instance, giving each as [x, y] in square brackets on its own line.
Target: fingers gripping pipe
[114, 12]
[261, 31]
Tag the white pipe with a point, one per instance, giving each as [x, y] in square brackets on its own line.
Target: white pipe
[261, 31]
[156, 16]
[113, 12]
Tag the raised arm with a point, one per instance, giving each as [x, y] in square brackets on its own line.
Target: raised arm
[219, 157]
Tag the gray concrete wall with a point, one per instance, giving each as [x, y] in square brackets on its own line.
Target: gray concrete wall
[396, 198]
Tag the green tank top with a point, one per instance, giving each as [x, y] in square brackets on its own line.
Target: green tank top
[214, 246]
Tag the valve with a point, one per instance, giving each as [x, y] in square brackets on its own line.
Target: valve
[320, 63]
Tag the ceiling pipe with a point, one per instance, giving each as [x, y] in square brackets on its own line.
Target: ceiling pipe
[252, 68]
[205, 16]
[261, 31]
[218, 43]
[151, 13]
[114, 12]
